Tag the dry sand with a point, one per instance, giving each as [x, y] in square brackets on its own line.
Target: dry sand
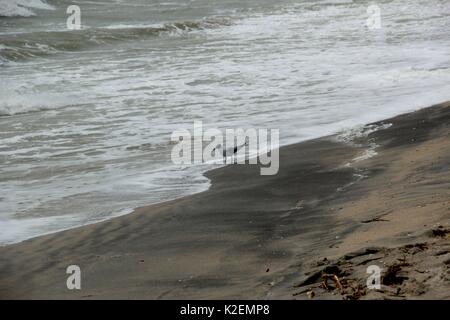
[308, 232]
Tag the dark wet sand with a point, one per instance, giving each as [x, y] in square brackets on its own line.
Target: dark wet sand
[253, 236]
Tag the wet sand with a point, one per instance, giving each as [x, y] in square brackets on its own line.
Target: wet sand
[272, 237]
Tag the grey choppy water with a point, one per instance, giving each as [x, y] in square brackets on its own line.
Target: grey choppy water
[86, 116]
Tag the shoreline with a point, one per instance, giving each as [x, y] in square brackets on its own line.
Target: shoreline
[204, 172]
[251, 236]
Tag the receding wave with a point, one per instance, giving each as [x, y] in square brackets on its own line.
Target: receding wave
[41, 44]
[10, 110]
[22, 8]
[14, 102]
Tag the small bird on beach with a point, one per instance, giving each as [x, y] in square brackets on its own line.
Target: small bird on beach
[231, 152]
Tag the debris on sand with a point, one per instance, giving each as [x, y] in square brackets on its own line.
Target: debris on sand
[440, 232]
[310, 294]
[410, 270]
[392, 275]
[377, 219]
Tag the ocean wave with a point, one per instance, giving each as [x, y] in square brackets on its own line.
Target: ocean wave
[40, 44]
[10, 110]
[15, 102]
[22, 8]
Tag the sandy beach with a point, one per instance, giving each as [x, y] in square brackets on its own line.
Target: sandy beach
[328, 212]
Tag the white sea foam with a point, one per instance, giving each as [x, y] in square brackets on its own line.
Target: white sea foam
[16, 102]
[353, 136]
[22, 8]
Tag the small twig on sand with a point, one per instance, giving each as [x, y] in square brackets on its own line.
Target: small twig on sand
[377, 219]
